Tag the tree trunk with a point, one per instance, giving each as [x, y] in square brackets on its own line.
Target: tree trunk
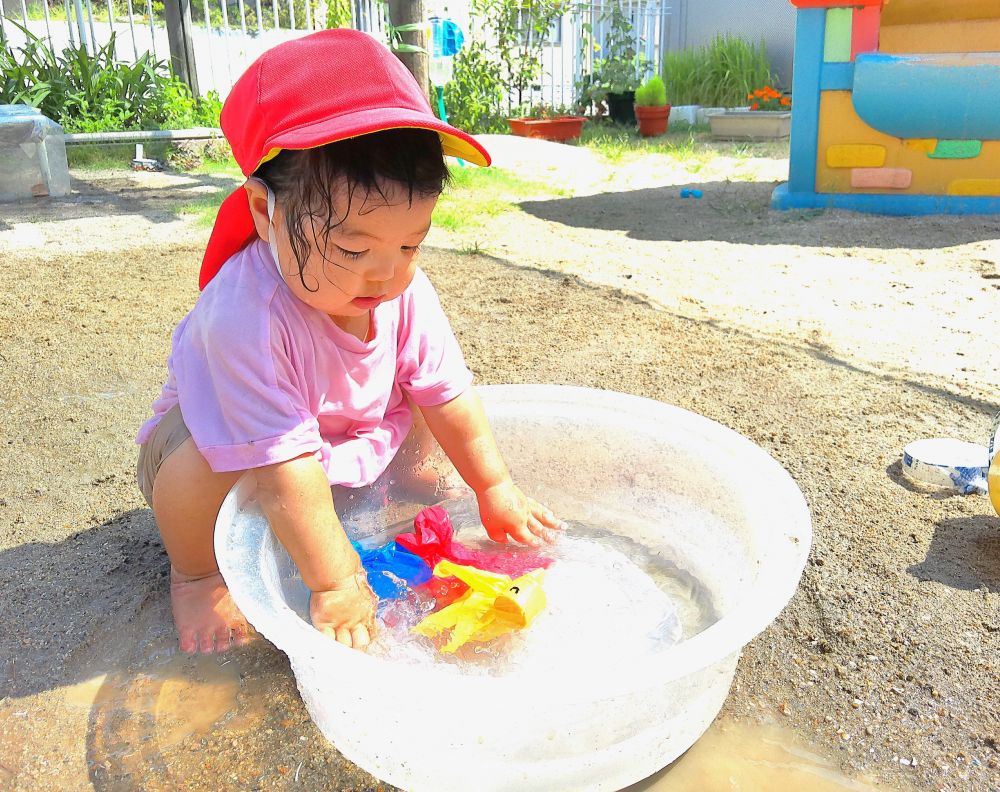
[178, 17]
[405, 12]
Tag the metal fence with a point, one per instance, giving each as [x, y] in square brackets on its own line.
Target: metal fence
[227, 35]
[564, 59]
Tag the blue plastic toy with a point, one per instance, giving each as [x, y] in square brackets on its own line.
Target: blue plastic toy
[399, 563]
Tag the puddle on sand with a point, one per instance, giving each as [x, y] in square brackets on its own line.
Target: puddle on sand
[121, 724]
[184, 696]
[750, 757]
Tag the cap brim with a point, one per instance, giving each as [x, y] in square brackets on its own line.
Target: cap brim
[454, 142]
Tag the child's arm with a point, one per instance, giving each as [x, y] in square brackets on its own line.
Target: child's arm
[295, 496]
[461, 428]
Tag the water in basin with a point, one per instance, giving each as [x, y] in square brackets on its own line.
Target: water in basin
[608, 598]
[691, 535]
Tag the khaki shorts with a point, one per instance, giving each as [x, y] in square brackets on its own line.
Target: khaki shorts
[167, 437]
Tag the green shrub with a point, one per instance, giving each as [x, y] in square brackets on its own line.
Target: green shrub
[720, 74]
[683, 75]
[735, 68]
[619, 69]
[474, 98]
[173, 107]
[652, 93]
[98, 93]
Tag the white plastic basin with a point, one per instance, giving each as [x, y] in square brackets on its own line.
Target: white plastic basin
[698, 494]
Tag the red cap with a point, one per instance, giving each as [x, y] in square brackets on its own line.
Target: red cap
[325, 87]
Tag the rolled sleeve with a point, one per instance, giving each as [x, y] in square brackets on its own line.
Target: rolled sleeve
[240, 395]
[431, 368]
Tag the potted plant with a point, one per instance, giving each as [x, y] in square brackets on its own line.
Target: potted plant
[768, 117]
[651, 108]
[615, 76]
[548, 123]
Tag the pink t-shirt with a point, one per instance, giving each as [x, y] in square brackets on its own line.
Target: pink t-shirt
[262, 378]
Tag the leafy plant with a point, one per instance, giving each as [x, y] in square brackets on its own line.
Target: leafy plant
[620, 68]
[543, 110]
[652, 93]
[338, 14]
[735, 67]
[719, 74]
[518, 30]
[91, 93]
[173, 107]
[591, 97]
[769, 100]
[475, 96]
[684, 75]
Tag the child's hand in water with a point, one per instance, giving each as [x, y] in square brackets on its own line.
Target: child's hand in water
[506, 511]
[346, 612]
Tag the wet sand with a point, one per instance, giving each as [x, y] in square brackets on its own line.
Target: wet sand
[829, 340]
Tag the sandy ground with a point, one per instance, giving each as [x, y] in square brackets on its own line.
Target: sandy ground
[828, 338]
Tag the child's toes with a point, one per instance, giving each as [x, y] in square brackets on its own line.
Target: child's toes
[241, 635]
[206, 642]
[223, 639]
[189, 641]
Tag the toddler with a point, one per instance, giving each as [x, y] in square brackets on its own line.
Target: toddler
[316, 335]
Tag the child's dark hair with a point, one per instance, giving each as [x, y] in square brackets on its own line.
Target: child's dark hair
[307, 181]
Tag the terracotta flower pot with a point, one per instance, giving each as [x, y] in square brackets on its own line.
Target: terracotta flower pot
[652, 120]
[558, 128]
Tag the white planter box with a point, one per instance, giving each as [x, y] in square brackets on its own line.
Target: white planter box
[705, 113]
[687, 114]
[750, 125]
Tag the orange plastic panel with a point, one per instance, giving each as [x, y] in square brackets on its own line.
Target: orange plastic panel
[974, 187]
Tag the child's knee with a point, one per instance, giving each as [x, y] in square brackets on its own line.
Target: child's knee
[186, 474]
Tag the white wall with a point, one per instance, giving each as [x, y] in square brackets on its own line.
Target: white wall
[771, 20]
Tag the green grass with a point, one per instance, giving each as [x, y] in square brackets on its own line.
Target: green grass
[226, 167]
[110, 156]
[477, 194]
[691, 145]
[474, 196]
[617, 143]
[203, 209]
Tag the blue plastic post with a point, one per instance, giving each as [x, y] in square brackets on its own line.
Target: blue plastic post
[810, 34]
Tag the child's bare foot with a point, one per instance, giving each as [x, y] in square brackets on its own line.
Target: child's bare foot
[205, 615]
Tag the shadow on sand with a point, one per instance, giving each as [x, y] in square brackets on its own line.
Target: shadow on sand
[740, 212]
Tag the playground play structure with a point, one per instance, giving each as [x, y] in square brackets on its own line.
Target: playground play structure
[897, 107]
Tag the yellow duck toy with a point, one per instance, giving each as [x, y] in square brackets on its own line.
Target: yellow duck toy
[494, 604]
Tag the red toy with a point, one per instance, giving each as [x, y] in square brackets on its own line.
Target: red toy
[433, 540]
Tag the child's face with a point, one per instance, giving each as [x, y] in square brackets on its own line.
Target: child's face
[369, 257]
